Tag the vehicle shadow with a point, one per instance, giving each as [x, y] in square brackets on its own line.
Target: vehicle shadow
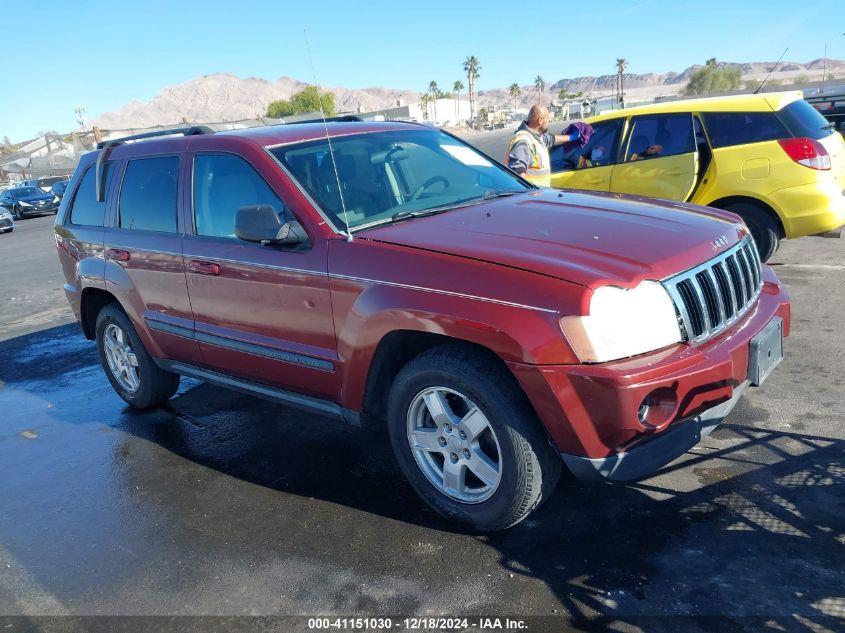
[767, 512]
[747, 532]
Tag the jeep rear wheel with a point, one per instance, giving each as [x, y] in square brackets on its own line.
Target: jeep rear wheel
[130, 369]
[468, 440]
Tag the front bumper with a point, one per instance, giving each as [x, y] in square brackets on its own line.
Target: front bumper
[6, 223]
[50, 208]
[592, 412]
[641, 460]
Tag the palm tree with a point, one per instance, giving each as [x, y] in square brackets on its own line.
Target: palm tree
[424, 100]
[621, 65]
[540, 85]
[472, 67]
[456, 90]
[515, 91]
[432, 87]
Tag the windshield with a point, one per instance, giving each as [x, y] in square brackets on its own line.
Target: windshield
[388, 176]
[24, 192]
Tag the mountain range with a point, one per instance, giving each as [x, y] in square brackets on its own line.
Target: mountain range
[226, 97]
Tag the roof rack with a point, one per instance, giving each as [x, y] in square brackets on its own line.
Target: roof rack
[344, 118]
[184, 131]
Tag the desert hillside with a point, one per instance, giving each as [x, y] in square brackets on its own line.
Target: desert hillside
[226, 97]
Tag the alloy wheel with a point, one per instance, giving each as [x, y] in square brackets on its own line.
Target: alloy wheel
[454, 444]
[122, 361]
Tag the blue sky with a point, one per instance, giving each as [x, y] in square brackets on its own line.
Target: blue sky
[100, 55]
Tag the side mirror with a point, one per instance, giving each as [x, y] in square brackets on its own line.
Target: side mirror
[260, 223]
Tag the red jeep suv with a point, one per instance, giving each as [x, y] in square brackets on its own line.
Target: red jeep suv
[388, 274]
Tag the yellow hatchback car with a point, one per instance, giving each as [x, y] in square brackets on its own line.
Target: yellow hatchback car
[770, 158]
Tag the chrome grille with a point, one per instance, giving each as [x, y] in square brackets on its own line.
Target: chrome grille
[712, 296]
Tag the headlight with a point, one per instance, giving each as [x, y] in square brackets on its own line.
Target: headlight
[23, 203]
[623, 323]
[55, 199]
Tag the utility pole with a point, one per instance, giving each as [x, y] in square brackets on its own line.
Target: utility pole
[824, 60]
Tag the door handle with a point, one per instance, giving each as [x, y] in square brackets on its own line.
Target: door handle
[204, 268]
[117, 254]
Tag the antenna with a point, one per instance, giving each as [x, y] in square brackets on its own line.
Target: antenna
[771, 71]
[328, 138]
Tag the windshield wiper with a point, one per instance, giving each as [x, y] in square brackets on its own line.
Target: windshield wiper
[400, 216]
[407, 215]
[493, 193]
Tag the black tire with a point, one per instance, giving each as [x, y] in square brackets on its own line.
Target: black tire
[16, 213]
[529, 467]
[155, 385]
[764, 229]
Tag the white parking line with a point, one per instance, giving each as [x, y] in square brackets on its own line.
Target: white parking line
[811, 266]
[32, 599]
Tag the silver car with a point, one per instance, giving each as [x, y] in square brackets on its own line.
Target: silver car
[7, 224]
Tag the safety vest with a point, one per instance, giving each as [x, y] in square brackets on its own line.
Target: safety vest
[539, 171]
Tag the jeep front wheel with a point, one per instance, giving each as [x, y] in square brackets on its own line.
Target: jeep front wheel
[468, 441]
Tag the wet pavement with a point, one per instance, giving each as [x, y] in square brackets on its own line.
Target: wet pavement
[220, 504]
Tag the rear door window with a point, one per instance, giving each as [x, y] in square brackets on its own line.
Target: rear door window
[804, 121]
[85, 210]
[222, 184]
[738, 128]
[148, 194]
[660, 136]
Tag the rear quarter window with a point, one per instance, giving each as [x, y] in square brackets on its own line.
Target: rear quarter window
[738, 128]
[85, 209]
[804, 121]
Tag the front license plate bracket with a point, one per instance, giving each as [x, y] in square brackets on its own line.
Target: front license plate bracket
[765, 351]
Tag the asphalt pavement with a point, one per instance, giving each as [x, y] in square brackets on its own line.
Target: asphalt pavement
[238, 511]
[31, 279]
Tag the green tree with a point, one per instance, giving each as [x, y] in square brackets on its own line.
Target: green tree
[565, 94]
[714, 78]
[540, 85]
[801, 79]
[472, 67]
[456, 92]
[306, 100]
[514, 91]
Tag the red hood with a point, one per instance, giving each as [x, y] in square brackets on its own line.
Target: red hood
[591, 239]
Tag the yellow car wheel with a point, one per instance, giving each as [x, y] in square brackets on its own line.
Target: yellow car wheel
[764, 229]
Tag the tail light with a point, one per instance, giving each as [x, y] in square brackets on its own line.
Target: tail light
[807, 152]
